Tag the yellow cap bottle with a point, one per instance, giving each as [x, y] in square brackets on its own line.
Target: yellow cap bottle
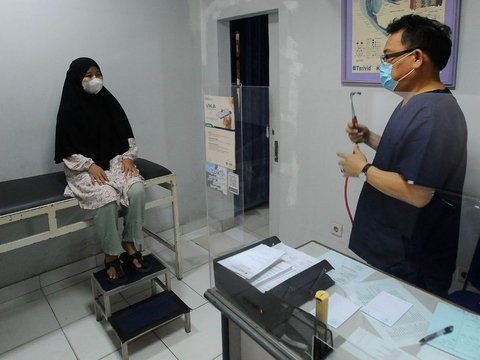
[321, 306]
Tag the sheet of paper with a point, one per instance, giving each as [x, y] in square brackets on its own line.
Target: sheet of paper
[429, 353]
[297, 262]
[366, 346]
[253, 261]
[346, 271]
[410, 328]
[464, 340]
[339, 310]
[271, 277]
[386, 308]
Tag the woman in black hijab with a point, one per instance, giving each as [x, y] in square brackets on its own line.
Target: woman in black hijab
[95, 142]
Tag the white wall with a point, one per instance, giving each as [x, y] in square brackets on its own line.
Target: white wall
[314, 110]
[149, 53]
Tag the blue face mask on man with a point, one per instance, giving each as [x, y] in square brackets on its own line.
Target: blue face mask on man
[386, 73]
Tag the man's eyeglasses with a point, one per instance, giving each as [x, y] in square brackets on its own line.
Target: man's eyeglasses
[385, 57]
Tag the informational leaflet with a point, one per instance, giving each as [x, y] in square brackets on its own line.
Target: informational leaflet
[346, 271]
[410, 327]
[220, 130]
[340, 309]
[216, 177]
[386, 308]
[464, 340]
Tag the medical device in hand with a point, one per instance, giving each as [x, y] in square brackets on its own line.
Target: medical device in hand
[354, 117]
[355, 124]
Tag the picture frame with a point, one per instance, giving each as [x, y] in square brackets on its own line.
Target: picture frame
[361, 51]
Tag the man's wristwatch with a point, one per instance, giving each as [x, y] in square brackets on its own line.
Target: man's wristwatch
[363, 173]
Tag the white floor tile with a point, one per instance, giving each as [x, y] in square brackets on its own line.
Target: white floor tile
[240, 234]
[148, 347]
[53, 346]
[198, 279]
[197, 233]
[21, 288]
[192, 255]
[187, 294]
[67, 271]
[91, 339]
[25, 319]
[72, 303]
[204, 342]
[73, 280]
[254, 220]
[220, 243]
[263, 232]
[29, 329]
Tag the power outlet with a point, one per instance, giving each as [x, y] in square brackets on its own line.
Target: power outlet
[461, 274]
[336, 229]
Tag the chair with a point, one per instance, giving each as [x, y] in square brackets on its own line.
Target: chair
[464, 297]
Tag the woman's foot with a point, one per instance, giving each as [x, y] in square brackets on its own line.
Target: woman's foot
[135, 258]
[115, 273]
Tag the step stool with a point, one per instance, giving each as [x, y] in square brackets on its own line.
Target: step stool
[145, 316]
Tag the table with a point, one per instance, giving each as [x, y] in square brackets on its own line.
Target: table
[345, 337]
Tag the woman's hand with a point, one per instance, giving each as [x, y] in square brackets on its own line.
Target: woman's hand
[129, 168]
[97, 174]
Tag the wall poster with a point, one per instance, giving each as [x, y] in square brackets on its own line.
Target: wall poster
[220, 130]
[364, 35]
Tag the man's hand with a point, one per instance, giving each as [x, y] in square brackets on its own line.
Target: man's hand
[97, 174]
[129, 168]
[352, 164]
[358, 134]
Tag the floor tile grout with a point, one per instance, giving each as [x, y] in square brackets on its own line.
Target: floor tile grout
[47, 297]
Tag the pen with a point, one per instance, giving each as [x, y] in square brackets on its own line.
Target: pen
[434, 335]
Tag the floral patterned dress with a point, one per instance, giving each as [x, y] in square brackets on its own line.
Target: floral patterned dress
[94, 195]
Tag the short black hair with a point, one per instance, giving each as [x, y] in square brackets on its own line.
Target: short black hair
[431, 36]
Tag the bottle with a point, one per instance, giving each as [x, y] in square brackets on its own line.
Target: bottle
[321, 306]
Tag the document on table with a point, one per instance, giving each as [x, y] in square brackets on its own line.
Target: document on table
[346, 271]
[252, 262]
[292, 262]
[464, 341]
[410, 328]
[366, 346]
[272, 277]
[386, 308]
[340, 309]
[429, 353]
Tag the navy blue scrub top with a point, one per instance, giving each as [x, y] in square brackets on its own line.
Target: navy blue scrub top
[426, 142]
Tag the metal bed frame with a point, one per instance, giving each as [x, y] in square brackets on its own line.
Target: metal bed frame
[18, 203]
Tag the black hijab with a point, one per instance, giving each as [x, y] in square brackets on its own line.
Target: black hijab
[92, 125]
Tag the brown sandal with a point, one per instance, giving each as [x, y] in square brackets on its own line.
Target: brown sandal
[121, 276]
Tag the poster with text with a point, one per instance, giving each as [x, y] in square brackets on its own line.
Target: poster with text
[369, 23]
[216, 177]
[220, 130]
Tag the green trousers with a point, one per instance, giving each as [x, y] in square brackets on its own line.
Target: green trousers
[106, 221]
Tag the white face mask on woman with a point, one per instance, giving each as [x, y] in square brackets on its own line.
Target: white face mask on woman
[92, 86]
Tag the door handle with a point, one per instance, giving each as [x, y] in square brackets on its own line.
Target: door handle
[275, 151]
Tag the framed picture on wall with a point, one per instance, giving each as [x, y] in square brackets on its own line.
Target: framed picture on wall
[364, 35]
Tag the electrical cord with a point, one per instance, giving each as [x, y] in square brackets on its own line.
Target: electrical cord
[345, 195]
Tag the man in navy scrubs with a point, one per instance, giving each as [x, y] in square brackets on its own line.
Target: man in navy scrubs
[408, 214]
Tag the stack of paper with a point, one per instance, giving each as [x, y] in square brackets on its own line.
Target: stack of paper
[252, 262]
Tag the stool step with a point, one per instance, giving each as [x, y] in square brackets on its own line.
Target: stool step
[157, 268]
[146, 315]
